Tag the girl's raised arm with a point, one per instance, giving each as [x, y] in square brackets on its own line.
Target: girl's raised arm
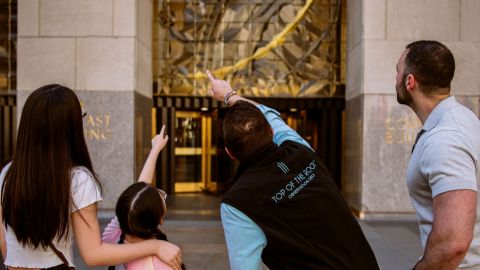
[158, 143]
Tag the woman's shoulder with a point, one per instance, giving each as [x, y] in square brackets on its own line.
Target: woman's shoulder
[80, 175]
[85, 189]
[81, 171]
[3, 172]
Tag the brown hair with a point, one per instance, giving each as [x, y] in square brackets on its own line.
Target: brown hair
[37, 188]
[139, 210]
[245, 130]
[431, 63]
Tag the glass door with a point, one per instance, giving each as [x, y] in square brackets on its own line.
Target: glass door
[193, 152]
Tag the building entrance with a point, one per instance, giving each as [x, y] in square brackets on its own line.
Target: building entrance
[195, 152]
[195, 159]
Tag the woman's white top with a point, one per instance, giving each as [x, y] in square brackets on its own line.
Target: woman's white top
[85, 192]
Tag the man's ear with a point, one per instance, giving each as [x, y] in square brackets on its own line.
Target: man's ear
[230, 154]
[410, 82]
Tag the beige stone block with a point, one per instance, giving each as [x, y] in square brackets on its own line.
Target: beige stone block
[124, 16]
[105, 64]
[471, 102]
[43, 61]
[466, 80]
[28, 17]
[381, 58]
[76, 18]
[355, 72]
[470, 20]
[389, 133]
[144, 78]
[353, 159]
[145, 22]
[374, 19]
[428, 19]
[354, 23]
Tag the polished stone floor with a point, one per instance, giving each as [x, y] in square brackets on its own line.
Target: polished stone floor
[193, 222]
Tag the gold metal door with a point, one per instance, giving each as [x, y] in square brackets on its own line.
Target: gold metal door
[193, 152]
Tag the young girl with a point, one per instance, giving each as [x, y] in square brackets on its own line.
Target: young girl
[50, 193]
[139, 212]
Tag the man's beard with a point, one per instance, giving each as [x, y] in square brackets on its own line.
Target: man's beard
[403, 96]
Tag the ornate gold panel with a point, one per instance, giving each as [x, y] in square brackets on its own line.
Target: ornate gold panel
[263, 47]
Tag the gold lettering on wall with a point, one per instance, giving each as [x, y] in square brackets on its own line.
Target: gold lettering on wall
[401, 130]
[97, 127]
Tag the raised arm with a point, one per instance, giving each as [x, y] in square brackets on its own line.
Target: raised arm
[158, 143]
[222, 91]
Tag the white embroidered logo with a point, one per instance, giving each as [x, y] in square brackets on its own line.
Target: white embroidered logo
[283, 167]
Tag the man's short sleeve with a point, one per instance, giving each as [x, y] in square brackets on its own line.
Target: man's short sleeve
[448, 162]
[85, 190]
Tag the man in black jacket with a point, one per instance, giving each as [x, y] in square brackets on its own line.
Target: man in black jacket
[283, 207]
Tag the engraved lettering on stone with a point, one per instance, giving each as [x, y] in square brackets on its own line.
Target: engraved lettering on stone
[400, 130]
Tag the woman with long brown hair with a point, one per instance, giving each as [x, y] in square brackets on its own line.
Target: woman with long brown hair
[49, 193]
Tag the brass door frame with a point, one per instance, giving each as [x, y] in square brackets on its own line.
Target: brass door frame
[205, 151]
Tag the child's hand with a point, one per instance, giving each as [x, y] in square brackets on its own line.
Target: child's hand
[159, 141]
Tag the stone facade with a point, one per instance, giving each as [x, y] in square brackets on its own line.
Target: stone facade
[102, 50]
[380, 132]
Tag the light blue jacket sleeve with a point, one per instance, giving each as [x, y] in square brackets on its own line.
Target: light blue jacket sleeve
[281, 131]
[245, 240]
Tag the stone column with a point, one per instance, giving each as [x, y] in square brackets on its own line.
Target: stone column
[380, 132]
[102, 50]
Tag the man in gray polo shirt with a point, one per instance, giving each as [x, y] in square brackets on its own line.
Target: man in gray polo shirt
[444, 169]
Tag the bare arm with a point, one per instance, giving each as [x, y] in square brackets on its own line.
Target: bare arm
[96, 253]
[158, 143]
[452, 231]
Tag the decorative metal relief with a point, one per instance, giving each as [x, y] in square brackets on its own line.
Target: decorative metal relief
[262, 47]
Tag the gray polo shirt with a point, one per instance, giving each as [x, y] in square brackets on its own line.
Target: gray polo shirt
[445, 158]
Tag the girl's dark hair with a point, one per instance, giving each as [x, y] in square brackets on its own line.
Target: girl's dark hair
[37, 188]
[245, 130]
[139, 211]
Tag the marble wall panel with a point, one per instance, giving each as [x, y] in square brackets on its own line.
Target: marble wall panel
[42, 61]
[470, 21]
[28, 17]
[353, 158]
[355, 72]
[109, 133]
[432, 19]
[105, 64]
[390, 131]
[76, 18]
[124, 17]
[374, 19]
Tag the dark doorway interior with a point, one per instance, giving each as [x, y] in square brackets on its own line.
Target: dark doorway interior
[195, 159]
